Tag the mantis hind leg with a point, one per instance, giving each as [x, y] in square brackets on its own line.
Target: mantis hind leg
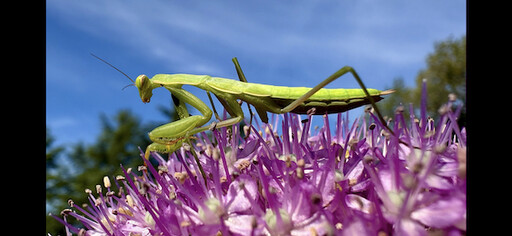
[213, 106]
[336, 75]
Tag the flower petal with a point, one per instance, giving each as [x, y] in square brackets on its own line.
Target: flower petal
[236, 196]
[442, 213]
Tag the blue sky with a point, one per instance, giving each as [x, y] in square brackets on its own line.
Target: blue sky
[276, 43]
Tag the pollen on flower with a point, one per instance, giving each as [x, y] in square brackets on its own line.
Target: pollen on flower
[243, 164]
[288, 178]
[106, 182]
[185, 223]
[181, 176]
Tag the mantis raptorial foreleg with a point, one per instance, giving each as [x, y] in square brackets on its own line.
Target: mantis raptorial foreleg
[180, 107]
[169, 137]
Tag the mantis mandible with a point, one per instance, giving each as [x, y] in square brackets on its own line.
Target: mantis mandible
[264, 98]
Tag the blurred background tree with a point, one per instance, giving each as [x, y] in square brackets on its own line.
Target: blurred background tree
[445, 74]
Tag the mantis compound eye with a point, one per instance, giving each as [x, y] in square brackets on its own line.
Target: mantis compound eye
[141, 81]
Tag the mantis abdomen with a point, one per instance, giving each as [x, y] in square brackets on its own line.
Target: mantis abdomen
[270, 97]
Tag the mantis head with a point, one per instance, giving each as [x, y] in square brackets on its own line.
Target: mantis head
[144, 84]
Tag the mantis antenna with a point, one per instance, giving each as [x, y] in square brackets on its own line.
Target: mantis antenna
[133, 82]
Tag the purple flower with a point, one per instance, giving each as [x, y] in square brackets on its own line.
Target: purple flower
[286, 179]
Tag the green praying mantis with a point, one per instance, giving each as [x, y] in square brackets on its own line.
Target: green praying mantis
[169, 137]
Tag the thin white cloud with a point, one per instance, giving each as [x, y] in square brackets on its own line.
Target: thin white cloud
[62, 122]
[161, 29]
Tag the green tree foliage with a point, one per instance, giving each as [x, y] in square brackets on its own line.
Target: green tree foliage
[51, 152]
[401, 94]
[445, 74]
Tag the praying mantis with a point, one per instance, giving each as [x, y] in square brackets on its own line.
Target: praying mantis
[264, 98]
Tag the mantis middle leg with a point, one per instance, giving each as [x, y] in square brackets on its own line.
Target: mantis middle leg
[242, 78]
[232, 107]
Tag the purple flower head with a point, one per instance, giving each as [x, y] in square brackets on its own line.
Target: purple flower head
[283, 178]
